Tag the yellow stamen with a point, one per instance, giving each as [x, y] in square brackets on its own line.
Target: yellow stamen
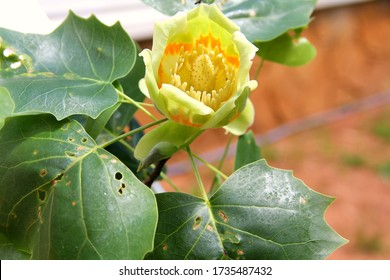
[205, 75]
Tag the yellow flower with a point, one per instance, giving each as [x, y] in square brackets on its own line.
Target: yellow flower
[197, 75]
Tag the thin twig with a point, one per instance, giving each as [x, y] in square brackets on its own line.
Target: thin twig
[156, 172]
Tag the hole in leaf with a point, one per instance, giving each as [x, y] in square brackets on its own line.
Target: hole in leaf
[122, 188]
[197, 223]
[43, 172]
[70, 154]
[57, 179]
[118, 176]
[84, 140]
[71, 139]
[41, 195]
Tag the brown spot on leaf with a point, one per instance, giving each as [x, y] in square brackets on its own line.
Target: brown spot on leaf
[43, 172]
[223, 216]
[240, 252]
[165, 247]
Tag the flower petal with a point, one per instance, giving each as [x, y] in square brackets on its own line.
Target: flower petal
[243, 122]
[247, 52]
[150, 80]
[183, 108]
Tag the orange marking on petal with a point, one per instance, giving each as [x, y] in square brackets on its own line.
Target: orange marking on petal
[180, 118]
[174, 48]
[160, 76]
[208, 41]
[235, 61]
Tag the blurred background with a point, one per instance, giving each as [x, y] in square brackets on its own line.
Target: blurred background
[328, 121]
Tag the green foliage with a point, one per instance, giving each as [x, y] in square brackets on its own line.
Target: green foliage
[69, 184]
[63, 197]
[6, 105]
[383, 170]
[258, 213]
[261, 20]
[381, 129]
[353, 160]
[8, 250]
[287, 49]
[71, 70]
[265, 22]
[247, 150]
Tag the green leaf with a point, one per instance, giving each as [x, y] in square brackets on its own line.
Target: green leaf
[260, 20]
[258, 213]
[171, 7]
[287, 49]
[9, 252]
[247, 150]
[6, 105]
[95, 126]
[69, 71]
[264, 20]
[129, 84]
[63, 197]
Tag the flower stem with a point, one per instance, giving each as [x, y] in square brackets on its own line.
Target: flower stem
[258, 69]
[221, 162]
[211, 167]
[134, 131]
[197, 175]
[169, 181]
[136, 104]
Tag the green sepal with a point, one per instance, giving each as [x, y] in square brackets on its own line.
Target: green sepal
[163, 141]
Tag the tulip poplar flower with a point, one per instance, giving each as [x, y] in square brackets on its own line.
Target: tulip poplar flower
[197, 75]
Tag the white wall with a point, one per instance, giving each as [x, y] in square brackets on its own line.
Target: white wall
[136, 17]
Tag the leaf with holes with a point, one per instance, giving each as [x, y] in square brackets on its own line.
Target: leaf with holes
[258, 213]
[69, 71]
[64, 197]
[260, 20]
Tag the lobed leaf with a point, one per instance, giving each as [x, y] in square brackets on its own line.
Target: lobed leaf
[258, 213]
[69, 71]
[64, 197]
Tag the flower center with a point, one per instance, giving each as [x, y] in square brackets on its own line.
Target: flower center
[205, 75]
